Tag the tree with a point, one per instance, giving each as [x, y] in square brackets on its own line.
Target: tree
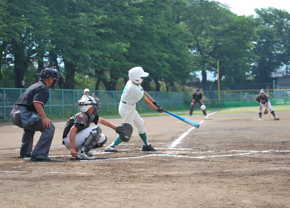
[218, 34]
[273, 47]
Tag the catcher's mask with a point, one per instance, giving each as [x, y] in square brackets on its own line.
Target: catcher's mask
[86, 102]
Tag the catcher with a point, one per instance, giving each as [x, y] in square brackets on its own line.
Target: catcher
[132, 93]
[78, 136]
[264, 102]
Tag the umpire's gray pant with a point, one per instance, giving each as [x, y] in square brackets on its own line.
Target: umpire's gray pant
[43, 145]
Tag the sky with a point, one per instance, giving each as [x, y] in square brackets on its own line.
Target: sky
[247, 8]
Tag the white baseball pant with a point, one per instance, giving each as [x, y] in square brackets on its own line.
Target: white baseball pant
[130, 115]
[80, 138]
[264, 105]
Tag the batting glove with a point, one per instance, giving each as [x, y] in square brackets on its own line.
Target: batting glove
[156, 104]
[160, 110]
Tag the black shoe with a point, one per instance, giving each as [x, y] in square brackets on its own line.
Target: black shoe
[148, 148]
[24, 155]
[39, 157]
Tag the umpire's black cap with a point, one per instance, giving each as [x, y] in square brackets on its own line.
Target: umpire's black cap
[49, 72]
[197, 90]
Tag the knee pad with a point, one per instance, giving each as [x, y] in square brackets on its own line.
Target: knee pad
[101, 144]
[92, 140]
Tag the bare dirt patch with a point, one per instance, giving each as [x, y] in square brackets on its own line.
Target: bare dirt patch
[234, 160]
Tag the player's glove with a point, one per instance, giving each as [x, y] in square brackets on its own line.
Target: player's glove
[266, 111]
[160, 110]
[156, 104]
[125, 131]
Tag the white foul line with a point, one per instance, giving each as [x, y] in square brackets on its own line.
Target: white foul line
[182, 136]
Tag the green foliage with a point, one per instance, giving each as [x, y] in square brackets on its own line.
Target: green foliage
[172, 40]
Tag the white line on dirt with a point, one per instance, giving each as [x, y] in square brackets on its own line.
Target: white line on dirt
[144, 173]
[182, 136]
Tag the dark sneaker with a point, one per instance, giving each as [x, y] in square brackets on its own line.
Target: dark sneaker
[110, 149]
[24, 155]
[148, 148]
[39, 157]
[276, 119]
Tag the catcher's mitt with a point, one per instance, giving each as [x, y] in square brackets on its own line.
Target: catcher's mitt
[266, 111]
[125, 131]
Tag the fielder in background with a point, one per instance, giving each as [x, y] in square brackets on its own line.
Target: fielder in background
[197, 97]
[132, 93]
[28, 114]
[264, 102]
[78, 136]
[86, 92]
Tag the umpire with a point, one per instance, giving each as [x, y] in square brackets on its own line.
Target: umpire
[196, 97]
[28, 114]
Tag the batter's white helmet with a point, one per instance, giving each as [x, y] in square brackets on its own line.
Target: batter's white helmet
[136, 73]
[86, 102]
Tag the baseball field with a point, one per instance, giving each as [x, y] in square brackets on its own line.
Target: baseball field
[232, 160]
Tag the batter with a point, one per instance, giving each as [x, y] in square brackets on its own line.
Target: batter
[132, 93]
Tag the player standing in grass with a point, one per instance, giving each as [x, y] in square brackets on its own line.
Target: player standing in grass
[264, 102]
[132, 93]
[196, 97]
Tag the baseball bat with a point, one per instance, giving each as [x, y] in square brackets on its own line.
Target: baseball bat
[185, 120]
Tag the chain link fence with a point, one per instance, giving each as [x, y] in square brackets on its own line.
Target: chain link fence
[63, 103]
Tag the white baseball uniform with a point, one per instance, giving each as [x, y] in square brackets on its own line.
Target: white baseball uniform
[81, 137]
[132, 93]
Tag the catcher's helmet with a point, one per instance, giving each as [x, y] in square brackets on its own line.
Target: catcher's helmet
[86, 102]
[136, 73]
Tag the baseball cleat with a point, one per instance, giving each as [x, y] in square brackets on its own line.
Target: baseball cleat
[148, 148]
[260, 119]
[84, 156]
[110, 149]
[89, 154]
[276, 119]
[39, 158]
[190, 114]
[24, 155]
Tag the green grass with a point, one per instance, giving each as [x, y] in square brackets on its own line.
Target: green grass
[277, 108]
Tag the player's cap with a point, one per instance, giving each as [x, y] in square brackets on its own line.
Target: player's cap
[262, 91]
[49, 72]
[86, 90]
[197, 90]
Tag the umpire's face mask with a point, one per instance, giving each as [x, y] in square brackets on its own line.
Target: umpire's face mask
[54, 83]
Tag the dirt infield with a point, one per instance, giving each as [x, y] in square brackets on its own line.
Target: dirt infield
[234, 160]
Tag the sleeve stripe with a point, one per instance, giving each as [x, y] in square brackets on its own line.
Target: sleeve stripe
[39, 102]
[144, 95]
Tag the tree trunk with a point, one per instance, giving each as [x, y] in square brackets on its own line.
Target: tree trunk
[69, 75]
[157, 84]
[20, 65]
[97, 86]
[204, 79]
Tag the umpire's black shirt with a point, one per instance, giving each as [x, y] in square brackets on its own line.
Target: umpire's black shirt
[36, 93]
[197, 97]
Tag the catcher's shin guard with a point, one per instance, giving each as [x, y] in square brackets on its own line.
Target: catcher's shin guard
[92, 140]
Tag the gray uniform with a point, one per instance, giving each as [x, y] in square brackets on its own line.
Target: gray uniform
[25, 116]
